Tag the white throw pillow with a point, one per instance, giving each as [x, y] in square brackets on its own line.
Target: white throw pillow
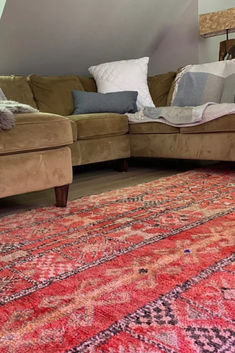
[124, 75]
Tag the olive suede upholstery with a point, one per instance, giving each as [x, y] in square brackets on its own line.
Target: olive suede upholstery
[225, 123]
[159, 87]
[107, 132]
[211, 141]
[152, 128]
[16, 88]
[34, 154]
[206, 146]
[99, 124]
[100, 149]
[33, 171]
[36, 131]
[53, 94]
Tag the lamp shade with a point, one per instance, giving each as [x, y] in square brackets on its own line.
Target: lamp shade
[216, 23]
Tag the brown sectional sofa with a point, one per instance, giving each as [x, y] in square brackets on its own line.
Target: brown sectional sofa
[35, 153]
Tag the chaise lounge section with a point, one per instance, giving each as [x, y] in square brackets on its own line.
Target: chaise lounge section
[34, 154]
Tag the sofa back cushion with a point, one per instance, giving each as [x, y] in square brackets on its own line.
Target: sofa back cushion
[17, 88]
[53, 94]
[159, 87]
[88, 83]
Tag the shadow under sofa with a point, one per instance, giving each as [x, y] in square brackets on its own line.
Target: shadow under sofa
[92, 137]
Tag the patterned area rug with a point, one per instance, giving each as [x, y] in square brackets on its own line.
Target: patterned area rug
[146, 269]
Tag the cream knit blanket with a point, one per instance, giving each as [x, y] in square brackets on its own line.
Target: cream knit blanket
[182, 116]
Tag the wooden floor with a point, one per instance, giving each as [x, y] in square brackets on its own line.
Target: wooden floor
[98, 178]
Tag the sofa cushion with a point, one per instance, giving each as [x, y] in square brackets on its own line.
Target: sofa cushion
[102, 124]
[172, 88]
[16, 88]
[53, 94]
[159, 87]
[100, 149]
[209, 146]
[152, 128]
[88, 84]
[36, 131]
[225, 123]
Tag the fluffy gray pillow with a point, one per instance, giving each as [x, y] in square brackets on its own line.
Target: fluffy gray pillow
[114, 102]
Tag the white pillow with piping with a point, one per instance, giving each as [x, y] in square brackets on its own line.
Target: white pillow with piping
[124, 75]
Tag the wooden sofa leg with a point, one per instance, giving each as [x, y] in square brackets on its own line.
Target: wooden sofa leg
[61, 195]
[122, 165]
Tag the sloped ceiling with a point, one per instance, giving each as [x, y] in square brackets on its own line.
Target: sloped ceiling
[67, 36]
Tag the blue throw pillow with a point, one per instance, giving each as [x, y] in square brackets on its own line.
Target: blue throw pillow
[114, 102]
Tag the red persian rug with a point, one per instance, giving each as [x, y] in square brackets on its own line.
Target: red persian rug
[146, 269]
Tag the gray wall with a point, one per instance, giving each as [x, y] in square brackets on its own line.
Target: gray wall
[67, 36]
[209, 47]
